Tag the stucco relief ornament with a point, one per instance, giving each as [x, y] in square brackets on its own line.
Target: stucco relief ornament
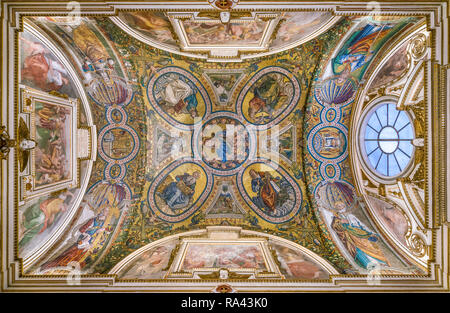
[417, 245]
[25, 144]
[226, 6]
[223, 288]
[419, 46]
[5, 143]
[223, 4]
[418, 142]
[225, 17]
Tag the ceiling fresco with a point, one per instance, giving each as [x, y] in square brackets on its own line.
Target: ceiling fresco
[156, 146]
[184, 144]
[229, 35]
[202, 34]
[237, 258]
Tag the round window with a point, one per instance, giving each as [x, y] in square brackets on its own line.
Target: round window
[388, 139]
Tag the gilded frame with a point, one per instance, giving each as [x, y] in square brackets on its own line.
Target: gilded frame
[178, 268]
[30, 98]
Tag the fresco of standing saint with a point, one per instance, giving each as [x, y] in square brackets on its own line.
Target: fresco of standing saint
[359, 241]
[79, 250]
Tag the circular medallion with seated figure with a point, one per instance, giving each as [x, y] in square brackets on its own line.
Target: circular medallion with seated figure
[269, 96]
[223, 144]
[178, 96]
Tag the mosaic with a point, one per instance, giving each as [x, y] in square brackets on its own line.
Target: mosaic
[183, 146]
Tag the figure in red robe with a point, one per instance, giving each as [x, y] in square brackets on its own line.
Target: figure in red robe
[77, 251]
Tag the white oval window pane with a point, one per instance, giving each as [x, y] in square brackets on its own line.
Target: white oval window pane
[374, 123]
[402, 120]
[382, 114]
[393, 166]
[382, 165]
[371, 146]
[370, 133]
[388, 146]
[374, 157]
[402, 159]
[388, 133]
[406, 132]
[407, 147]
[393, 113]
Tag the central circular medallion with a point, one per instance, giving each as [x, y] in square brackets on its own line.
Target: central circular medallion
[223, 144]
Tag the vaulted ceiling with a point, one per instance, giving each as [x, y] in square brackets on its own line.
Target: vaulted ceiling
[174, 143]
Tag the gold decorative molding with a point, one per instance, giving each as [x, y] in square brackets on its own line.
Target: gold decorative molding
[25, 144]
[417, 245]
[419, 46]
[218, 274]
[6, 143]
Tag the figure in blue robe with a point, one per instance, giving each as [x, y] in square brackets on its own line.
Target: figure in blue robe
[360, 242]
[177, 197]
[360, 48]
[191, 103]
[219, 145]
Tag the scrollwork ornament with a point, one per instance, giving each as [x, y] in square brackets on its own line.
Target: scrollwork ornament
[419, 46]
[417, 246]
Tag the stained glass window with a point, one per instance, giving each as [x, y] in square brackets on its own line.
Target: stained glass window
[388, 140]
